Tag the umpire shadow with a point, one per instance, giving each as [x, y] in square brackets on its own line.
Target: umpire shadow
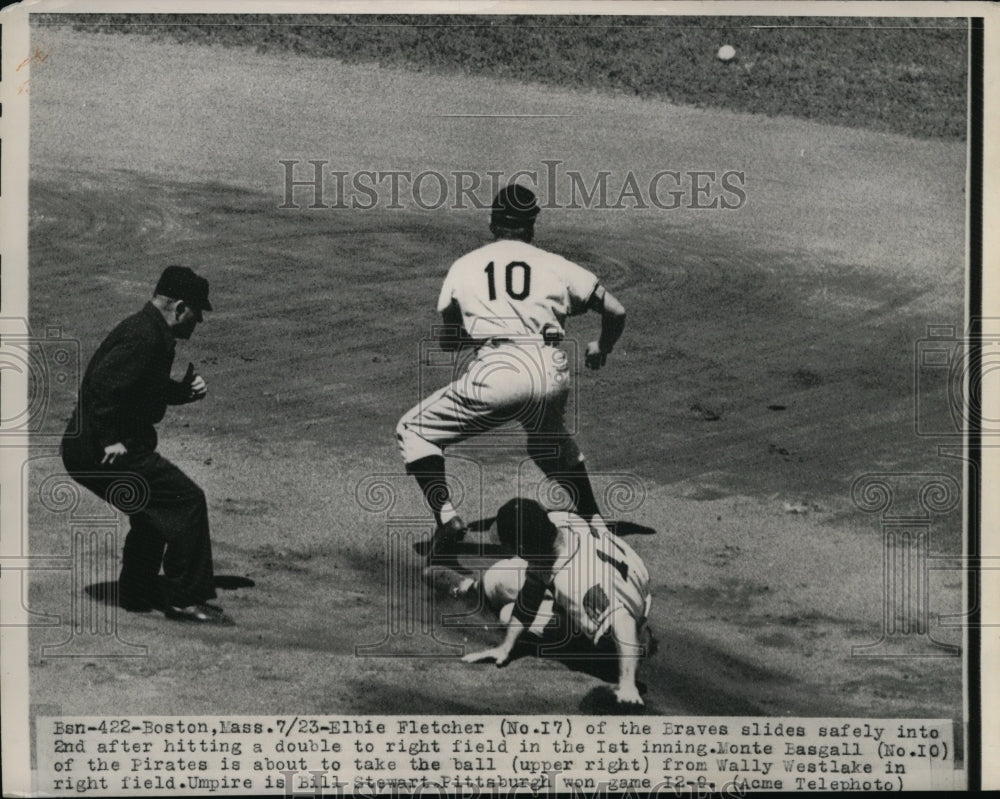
[230, 582]
[107, 592]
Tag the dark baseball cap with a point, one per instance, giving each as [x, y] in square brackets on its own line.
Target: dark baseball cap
[181, 283]
[524, 527]
[514, 206]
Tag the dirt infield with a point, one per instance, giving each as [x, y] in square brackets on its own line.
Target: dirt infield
[767, 364]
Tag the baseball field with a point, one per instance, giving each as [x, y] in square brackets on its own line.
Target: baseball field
[767, 365]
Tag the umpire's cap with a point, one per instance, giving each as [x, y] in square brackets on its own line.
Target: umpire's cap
[181, 283]
[523, 527]
[514, 207]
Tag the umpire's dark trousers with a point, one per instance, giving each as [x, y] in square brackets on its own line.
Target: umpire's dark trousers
[170, 529]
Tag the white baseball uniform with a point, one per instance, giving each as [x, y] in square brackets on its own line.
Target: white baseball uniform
[592, 574]
[514, 299]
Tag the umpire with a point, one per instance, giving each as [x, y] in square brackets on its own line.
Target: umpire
[125, 392]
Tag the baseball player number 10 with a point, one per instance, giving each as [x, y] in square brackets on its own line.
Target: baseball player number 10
[525, 280]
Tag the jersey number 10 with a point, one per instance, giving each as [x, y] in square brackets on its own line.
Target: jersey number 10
[524, 278]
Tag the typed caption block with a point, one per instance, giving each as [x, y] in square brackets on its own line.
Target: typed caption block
[472, 755]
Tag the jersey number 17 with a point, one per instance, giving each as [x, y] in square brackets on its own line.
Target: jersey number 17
[523, 277]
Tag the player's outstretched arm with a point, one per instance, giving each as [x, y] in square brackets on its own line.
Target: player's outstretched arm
[626, 635]
[612, 325]
[499, 654]
[526, 608]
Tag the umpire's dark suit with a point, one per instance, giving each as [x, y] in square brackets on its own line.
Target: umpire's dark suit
[125, 392]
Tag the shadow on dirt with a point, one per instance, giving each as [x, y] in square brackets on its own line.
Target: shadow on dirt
[630, 528]
[705, 680]
[688, 674]
[107, 592]
[405, 699]
[489, 550]
[230, 582]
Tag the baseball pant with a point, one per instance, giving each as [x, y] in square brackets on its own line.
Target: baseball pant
[170, 529]
[502, 582]
[524, 382]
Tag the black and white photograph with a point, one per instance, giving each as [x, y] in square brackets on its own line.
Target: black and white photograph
[494, 399]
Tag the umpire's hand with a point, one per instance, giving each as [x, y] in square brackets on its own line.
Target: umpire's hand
[197, 389]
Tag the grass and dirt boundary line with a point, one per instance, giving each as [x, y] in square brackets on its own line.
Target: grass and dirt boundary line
[897, 75]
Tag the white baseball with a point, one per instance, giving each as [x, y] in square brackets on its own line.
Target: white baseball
[726, 53]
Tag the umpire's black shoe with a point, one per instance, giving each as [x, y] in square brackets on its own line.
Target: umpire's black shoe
[447, 535]
[202, 613]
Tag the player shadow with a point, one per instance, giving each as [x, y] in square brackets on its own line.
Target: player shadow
[425, 698]
[701, 677]
[622, 528]
[467, 549]
[464, 549]
[631, 528]
[601, 701]
[482, 525]
[575, 650]
[107, 592]
[578, 653]
[452, 558]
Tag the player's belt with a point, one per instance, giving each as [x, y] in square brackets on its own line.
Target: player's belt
[551, 336]
[497, 341]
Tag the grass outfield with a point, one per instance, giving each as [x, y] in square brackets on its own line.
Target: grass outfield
[898, 75]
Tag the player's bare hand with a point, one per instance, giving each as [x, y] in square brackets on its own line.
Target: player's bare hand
[628, 695]
[198, 389]
[594, 358]
[497, 654]
[112, 452]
